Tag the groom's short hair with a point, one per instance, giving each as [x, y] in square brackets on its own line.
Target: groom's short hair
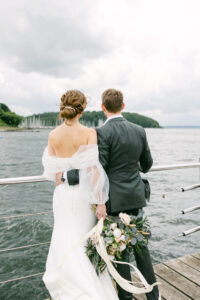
[112, 100]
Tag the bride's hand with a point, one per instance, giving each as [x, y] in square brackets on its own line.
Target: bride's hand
[58, 179]
[101, 211]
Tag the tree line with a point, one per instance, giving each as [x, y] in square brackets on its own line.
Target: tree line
[9, 118]
[92, 118]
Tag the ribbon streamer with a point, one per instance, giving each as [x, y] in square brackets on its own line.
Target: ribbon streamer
[101, 249]
[123, 283]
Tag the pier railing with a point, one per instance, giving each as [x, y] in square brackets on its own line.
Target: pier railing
[41, 178]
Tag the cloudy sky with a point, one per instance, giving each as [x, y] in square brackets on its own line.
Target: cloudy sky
[150, 49]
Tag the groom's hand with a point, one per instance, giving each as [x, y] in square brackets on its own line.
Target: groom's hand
[101, 211]
[58, 178]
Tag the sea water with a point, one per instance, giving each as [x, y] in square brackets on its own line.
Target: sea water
[20, 155]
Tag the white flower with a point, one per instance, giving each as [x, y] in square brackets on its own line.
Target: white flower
[94, 238]
[113, 226]
[111, 257]
[122, 238]
[109, 242]
[117, 233]
[122, 247]
[117, 240]
[125, 218]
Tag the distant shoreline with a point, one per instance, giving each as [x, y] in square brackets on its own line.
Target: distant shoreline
[182, 127]
[9, 129]
[3, 129]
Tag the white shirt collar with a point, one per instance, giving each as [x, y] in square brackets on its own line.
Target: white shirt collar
[113, 117]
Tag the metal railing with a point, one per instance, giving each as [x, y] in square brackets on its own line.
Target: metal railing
[41, 178]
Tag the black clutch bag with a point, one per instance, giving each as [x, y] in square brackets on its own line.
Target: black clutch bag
[73, 177]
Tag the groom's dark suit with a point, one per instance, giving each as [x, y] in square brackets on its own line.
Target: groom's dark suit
[123, 151]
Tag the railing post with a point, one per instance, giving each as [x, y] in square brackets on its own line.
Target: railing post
[199, 170]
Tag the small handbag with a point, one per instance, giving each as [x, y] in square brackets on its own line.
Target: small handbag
[73, 177]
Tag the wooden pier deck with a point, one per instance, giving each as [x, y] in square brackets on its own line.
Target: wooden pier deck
[179, 278]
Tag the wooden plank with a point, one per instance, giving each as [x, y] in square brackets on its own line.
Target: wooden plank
[139, 297]
[136, 279]
[185, 270]
[181, 283]
[196, 255]
[191, 261]
[143, 296]
[168, 292]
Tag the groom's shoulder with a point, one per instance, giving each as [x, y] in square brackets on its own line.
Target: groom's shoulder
[108, 126]
[136, 128]
[103, 127]
[103, 131]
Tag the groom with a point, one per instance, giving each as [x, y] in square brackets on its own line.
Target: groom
[123, 152]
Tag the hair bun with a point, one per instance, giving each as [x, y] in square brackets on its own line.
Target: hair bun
[68, 112]
[73, 102]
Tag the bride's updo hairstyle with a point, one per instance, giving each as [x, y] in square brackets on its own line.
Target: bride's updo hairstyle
[73, 102]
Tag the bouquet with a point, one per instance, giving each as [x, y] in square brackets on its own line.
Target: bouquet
[125, 235]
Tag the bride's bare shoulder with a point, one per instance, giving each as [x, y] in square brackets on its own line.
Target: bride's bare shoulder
[88, 130]
[92, 136]
[53, 140]
[55, 132]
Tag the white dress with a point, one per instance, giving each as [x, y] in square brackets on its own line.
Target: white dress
[69, 273]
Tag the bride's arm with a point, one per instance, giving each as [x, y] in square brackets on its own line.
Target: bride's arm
[49, 160]
[51, 148]
[101, 208]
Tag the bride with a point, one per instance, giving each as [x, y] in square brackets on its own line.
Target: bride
[69, 273]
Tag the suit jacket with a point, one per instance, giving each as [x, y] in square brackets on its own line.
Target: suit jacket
[123, 152]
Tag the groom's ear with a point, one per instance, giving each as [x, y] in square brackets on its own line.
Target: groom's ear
[123, 105]
[103, 107]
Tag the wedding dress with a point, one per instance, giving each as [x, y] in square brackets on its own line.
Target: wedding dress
[69, 273]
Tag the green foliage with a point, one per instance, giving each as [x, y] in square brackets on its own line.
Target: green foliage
[128, 240]
[95, 258]
[47, 116]
[144, 121]
[91, 118]
[94, 116]
[4, 107]
[10, 118]
[2, 123]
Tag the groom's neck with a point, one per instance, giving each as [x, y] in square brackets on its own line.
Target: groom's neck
[108, 114]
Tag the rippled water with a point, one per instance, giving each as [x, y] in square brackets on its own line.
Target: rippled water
[20, 155]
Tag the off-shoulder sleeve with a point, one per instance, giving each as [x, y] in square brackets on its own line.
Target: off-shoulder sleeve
[93, 178]
[50, 166]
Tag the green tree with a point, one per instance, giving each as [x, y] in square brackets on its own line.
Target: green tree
[91, 118]
[10, 118]
[4, 107]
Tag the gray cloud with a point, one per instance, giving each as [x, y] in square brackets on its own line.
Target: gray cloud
[145, 48]
[54, 44]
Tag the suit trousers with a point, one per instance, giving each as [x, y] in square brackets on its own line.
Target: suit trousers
[144, 264]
